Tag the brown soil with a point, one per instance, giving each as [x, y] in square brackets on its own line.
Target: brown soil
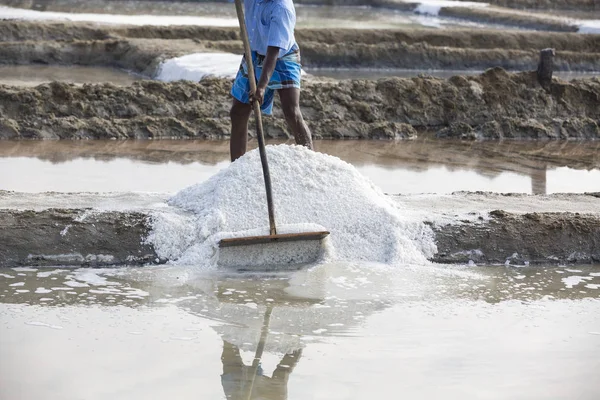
[494, 105]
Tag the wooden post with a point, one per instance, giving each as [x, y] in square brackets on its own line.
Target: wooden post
[545, 67]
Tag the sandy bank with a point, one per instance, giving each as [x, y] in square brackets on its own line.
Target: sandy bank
[104, 238]
[494, 105]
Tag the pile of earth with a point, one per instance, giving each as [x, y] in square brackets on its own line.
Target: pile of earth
[493, 105]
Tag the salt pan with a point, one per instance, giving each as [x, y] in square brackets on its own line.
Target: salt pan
[308, 188]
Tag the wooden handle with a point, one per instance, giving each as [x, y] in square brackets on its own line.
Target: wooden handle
[257, 116]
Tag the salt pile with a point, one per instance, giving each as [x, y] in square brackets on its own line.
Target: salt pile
[308, 188]
[193, 67]
[590, 26]
[433, 7]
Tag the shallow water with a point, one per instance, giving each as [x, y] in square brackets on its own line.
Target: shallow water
[421, 166]
[344, 331]
[33, 75]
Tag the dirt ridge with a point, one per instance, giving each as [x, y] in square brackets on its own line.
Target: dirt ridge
[71, 237]
[493, 105]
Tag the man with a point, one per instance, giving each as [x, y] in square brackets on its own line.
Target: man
[276, 60]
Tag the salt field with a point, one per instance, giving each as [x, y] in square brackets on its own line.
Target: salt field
[457, 180]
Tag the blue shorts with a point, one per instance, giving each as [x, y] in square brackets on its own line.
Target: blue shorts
[286, 75]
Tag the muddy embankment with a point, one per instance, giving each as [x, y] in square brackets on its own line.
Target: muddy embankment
[104, 238]
[493, 105]
[141, 49]
[580, 5]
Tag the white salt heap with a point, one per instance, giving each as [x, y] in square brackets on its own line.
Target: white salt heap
[193, 67]
[311, 191]
[433, 7]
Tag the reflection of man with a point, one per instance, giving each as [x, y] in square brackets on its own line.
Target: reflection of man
[237, 377]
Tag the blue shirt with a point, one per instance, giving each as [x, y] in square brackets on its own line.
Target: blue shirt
[270, 23]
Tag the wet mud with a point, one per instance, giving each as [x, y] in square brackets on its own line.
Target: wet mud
[493, 105]
[84, 238]
[532, 238]
[109, 238]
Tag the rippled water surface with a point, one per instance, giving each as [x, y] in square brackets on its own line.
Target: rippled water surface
[343, 331]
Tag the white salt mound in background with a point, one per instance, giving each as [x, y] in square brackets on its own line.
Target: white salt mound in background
[308, 188]
[433, 7]
[193, 67]
[590, 26]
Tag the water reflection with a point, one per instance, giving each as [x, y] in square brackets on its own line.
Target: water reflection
[243, 382]
[397, 167]
[539, 180]
[376, 328]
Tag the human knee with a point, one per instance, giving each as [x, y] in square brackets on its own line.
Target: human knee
[292, 113]
[239, 111]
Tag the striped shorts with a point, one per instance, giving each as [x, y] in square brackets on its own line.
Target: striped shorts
[286, 75]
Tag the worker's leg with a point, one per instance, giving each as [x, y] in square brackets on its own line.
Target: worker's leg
[286, 365]
[290, 105]
[231, 359]
[240, 114]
